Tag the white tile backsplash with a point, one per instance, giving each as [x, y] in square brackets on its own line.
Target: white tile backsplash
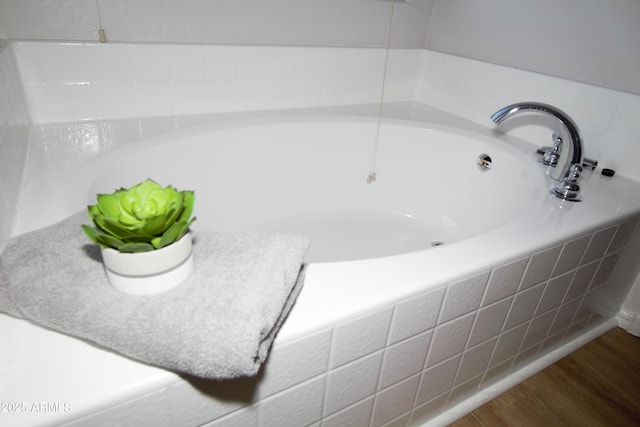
[604, 116]
[168, 80]
[253, 78]
[15, 125]
[222, 77]
[188, 79]
[282, 73]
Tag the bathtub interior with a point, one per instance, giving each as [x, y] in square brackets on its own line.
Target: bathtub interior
[309, 177]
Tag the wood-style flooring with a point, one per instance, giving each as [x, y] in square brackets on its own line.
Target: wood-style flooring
[597, 385]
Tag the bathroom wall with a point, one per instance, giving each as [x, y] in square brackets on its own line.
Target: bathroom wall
[362, 23]
[594, 42]
[14, 135]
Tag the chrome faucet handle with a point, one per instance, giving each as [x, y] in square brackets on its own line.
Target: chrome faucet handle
[564, 176]
[574, 173]
[569, 189]
[552, 154]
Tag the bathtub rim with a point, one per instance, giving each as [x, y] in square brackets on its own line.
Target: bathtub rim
[491, 244]
[94, 170]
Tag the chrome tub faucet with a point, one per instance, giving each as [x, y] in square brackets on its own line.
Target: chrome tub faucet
[565, 176]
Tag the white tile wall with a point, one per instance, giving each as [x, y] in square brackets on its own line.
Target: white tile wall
[449, 339]
[355, 415]
[404, 359]
[474, 90]
[395, 401]
[286, 369]
[504, 281]
[538, 329]
[14, 137]
[474, 361]
[378, 370]
[110, 81]
[572, 253]
[463, 297]
[359, 337]
[415, 315]
[277, 22]
[598, 244]
[554, 292]
[298, 406]
[524, 305]
[437, 379]
[352, 382]
[88, 81]
[489, 321]
[540, 266]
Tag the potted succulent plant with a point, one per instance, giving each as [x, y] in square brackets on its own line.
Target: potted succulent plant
[144, 236]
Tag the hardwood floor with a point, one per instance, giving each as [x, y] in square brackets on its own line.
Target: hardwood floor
[597, 385]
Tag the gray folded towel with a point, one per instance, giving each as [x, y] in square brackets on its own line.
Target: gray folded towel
[218, 324]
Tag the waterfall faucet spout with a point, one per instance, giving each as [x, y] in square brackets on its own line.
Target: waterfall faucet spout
[567, 172]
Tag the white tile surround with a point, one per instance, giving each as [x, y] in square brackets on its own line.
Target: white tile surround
[14, 135]
[79, 81]
[402, 363]
[406, 363]
[66, 82]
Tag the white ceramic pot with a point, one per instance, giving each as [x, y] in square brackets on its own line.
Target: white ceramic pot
[149, 272]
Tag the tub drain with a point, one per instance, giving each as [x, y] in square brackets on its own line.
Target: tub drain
[437, 243]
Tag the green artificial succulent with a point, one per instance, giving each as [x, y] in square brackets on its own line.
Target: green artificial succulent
[142, 218]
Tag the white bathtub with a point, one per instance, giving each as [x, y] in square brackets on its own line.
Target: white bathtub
[390, 325]
[309, 176]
